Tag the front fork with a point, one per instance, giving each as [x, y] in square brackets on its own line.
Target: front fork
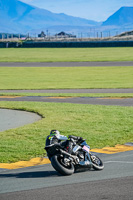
[87, 161]
[88, 157]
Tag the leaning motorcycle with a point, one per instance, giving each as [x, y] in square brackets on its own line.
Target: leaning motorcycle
[79, 158]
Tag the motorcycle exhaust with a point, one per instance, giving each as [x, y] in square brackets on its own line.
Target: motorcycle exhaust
[68, 154]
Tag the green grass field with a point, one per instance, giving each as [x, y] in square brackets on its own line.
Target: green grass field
[100, 125]
[65, 77]
[66, 54]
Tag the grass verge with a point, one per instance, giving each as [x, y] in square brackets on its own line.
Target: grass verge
[100, 125]
[65, 77]
[66, 54]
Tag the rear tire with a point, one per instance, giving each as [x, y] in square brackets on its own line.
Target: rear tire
[59, 167]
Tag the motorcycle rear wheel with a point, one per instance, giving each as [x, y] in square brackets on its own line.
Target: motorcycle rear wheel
[60, 167]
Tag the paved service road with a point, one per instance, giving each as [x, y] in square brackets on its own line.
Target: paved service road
[114, 182]
[125, 90]
[76, 100]
[66, 64]
[15, 118]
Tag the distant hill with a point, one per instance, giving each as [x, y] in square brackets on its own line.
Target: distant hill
[124, 16]
[17, 16]
[127, 33]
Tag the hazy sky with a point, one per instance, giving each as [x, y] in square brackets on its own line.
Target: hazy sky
[98, 10]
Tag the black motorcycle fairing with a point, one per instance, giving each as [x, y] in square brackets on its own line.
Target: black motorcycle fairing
[53, 149]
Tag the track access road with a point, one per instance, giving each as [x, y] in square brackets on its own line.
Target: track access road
[75, 100]
[67, 64]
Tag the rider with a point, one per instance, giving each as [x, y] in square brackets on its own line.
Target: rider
[56, 137]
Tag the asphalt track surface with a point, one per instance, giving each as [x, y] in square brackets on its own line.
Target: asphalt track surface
[14, 118]
[67, 64]
[126, 90]
[75, 100]
[43, 182]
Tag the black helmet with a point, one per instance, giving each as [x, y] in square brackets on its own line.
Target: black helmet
[54, 132]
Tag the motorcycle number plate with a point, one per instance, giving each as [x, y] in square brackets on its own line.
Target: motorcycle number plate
[86, 149]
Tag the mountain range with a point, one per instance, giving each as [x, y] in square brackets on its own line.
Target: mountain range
[124, 16]
[19, 17]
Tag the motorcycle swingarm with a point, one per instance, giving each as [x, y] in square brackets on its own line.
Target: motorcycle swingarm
[69, 155]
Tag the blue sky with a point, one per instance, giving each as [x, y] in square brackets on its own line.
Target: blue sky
[98, 10]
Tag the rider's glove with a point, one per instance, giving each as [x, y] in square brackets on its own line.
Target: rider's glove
[80, 140]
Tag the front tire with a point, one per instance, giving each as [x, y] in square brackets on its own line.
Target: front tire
[97, 163]
[58, 165]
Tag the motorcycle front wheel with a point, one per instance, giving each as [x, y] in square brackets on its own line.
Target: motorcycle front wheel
[97, 163]
[60, 166]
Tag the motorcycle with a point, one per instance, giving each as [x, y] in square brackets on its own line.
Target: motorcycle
[66, 160]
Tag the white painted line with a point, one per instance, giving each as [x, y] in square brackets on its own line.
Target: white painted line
[118, 162]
